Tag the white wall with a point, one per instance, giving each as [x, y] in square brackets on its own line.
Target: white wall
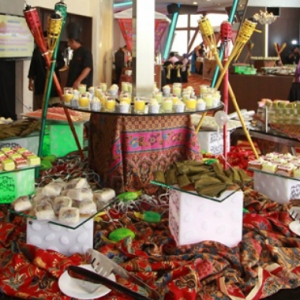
[78, 7]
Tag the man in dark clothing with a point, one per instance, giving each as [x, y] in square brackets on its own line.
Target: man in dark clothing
[81, 64]
[37, 77]
[120, 62]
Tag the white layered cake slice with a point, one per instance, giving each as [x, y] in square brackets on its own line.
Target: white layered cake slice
[269, 167]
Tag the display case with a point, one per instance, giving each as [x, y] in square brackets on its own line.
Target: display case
[61, 237]
[194, 218]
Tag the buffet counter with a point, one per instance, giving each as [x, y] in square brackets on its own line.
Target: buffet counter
[249, 89]
[271, 141]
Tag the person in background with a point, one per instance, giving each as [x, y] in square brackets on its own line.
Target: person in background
[37, 77]
[195, 54]
[172, 58]
[120, 62]
[184, 68]
[81, 64]
[294, 94]
[293, 56]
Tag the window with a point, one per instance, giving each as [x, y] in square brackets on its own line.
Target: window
[198, 40]
[194, 20]
[180, 42]
[182, 21]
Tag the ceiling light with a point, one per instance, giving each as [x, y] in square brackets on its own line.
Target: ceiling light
[195, 3]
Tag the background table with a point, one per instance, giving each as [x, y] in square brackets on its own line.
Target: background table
[126, 150]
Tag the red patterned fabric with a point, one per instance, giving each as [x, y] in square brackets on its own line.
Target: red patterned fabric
[125, 151]
[265, 261]
[126, 29]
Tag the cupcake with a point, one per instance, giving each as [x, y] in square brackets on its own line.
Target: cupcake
[123, 107]
[179, 107]
[166, 90]
[167, 105]
[96, 104]
[154, 106]
[201, 105]
[113, 90]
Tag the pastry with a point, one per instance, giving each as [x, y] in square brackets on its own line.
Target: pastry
[268, 166]
[297, 173]
[53, 189]
[61, 201]
[256, 164]
[44, 211]
[33, 160]
[104, 195]
[21, 204]
[20, 162]
[77, 183]
[286, 169]
[87, 207]
[69, 215]
[8, 165]
[80, 194]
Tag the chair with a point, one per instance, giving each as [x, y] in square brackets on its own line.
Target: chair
[176, 72]
[185, 74]
[168, 67]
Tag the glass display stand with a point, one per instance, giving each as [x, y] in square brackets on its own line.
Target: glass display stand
[18, 170]
[194, 193]
[82, 221]
[146, 113]
[273, 174]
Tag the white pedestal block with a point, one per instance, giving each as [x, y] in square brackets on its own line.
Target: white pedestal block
[61, 239]
[277, 188]
[212, 141]
[193, 219]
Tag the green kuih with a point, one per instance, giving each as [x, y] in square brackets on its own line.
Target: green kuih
[128, 196]
[149, 216]
[120, 234]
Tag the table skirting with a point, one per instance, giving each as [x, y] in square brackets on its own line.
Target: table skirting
[126, 150]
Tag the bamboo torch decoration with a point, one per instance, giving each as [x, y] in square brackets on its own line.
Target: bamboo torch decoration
[34, 25]
[53, 32]
[242, 38]
[208, 36]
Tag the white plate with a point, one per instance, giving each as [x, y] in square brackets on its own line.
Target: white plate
[295, 227]
[71, 288]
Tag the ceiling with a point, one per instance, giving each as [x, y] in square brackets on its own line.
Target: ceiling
[203, 5]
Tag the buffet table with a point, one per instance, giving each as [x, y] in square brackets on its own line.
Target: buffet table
[125, 150]
[270, 141]
[249, 89]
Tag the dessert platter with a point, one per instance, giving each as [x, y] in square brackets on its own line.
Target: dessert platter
[17, 158]
[172, 100]
[284, 165]
[69, 204]
[280, 115]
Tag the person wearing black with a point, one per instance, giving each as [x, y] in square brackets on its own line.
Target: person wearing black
[81, 64]
[120, 62]
[293, 57]
[37, 77]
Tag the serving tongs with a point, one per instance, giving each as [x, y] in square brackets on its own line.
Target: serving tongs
[88, 280]
[105, 266]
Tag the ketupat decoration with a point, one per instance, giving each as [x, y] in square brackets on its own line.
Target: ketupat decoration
[208, 180]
